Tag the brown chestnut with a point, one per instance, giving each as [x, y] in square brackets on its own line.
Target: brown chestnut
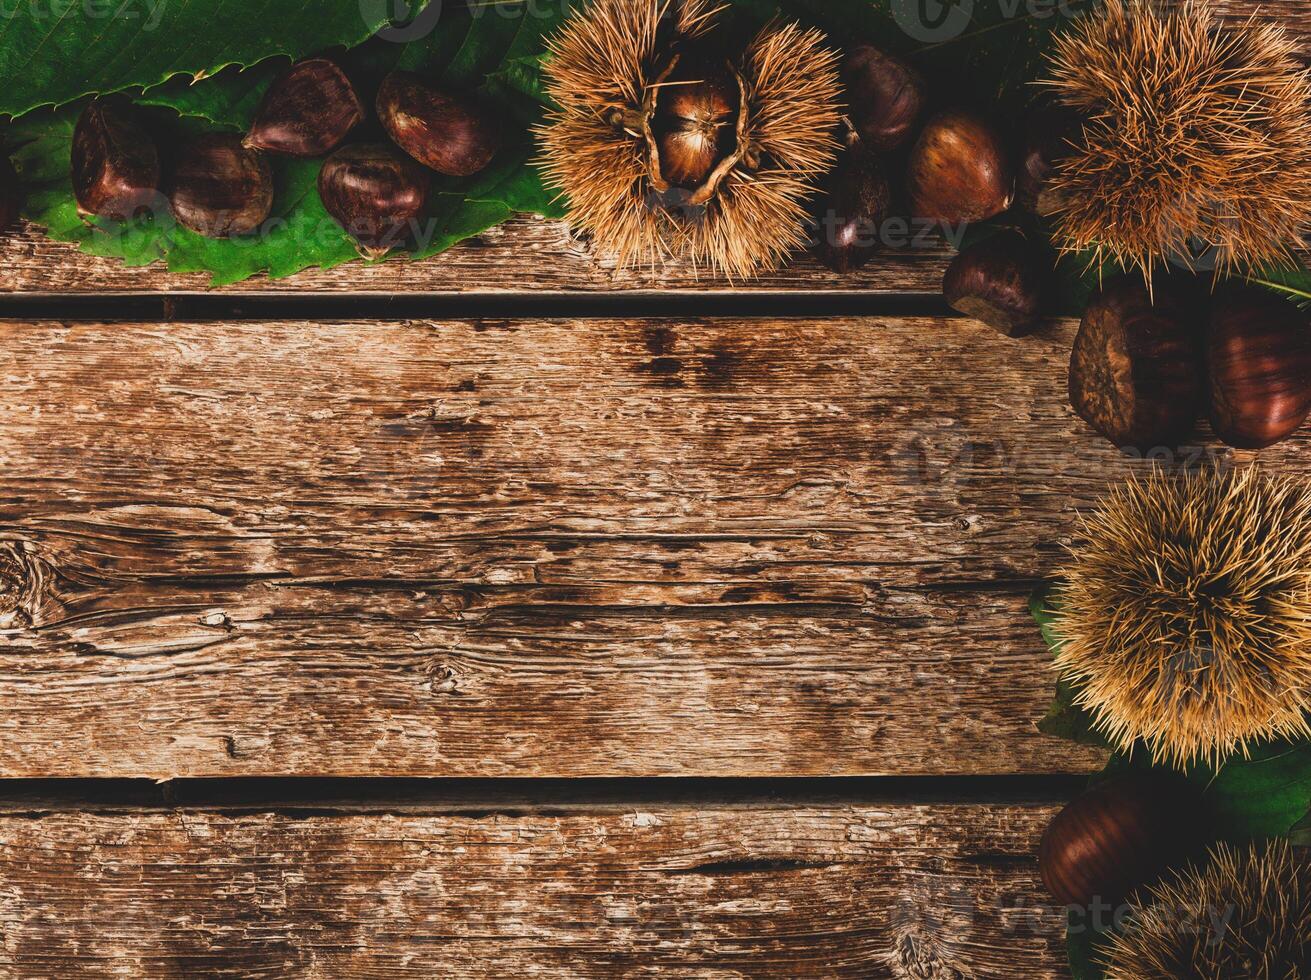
[958, 170]
[853, 212]
[1000, 281]
[220, 188]
[1051, 134]
[884, 95]
[448, 133]
[307, 111]
[115, 162]
[1136, 367]
[11, 194]
[1258, 356]
[1119, 836]
[694, 122]
[376, 193]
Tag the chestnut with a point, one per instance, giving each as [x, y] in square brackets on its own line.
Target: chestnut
[220, 187]
[1136, 367]
[1119, 836]
[1000, 281]
[11, 194]
[374, 192]
[1051, 134]
[446, 132]
[853, 211]
[958, 170]
[115, 162]
[307, 111]
[884, 95]
[1258, 358]
[694, 122]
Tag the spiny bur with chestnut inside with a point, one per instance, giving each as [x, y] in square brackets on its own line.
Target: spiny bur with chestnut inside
[667, 145]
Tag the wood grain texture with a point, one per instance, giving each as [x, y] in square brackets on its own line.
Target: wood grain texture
[899, 892]
[589, 547]
[529, 254]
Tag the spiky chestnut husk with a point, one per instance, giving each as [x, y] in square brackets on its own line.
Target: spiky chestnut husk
[606, 72]
[1192, 133]
[1184, 620]
[1244, 914]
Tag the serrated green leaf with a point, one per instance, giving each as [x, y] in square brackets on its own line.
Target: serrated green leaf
[1084, 946]
[54, 53]
[1065, 718]
[1292, 283]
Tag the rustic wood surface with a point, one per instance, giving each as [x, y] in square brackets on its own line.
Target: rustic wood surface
[897, 891]
[587, 547]
[552, 548]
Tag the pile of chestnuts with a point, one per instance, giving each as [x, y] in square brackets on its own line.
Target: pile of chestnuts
[221, 185]
[1147, 364]
[951, 168]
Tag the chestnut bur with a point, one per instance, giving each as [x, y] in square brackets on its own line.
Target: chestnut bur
[447, 133]
[884, 96]
[11, 194]
[1136, 367]
[115, 164]
[958, 170]
[1117, 837]
[307, 111]
[852, 213]
[694, 123]
[1000, 281]
[1258, 355]
[221, 188]
[375, 193]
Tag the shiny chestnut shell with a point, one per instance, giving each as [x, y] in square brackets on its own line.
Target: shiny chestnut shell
[1117, 837]
[695, 121]
[958, 170]
[449, 133]
[852, 213]
[11, 194]
[221, 188]
[307, 111]
[1000, 281]
[1258, 357]
[115, 164]
[885, 96]
[1136, 369]
[375, 192]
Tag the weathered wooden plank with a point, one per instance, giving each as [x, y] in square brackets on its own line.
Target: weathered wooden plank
[869, 892]
[529, 254]
[525, 254]
[550, 548]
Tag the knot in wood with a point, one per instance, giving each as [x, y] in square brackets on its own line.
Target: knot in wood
[24, 579]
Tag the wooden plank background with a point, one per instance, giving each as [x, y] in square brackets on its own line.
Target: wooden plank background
[602, 546]
[890, 891]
